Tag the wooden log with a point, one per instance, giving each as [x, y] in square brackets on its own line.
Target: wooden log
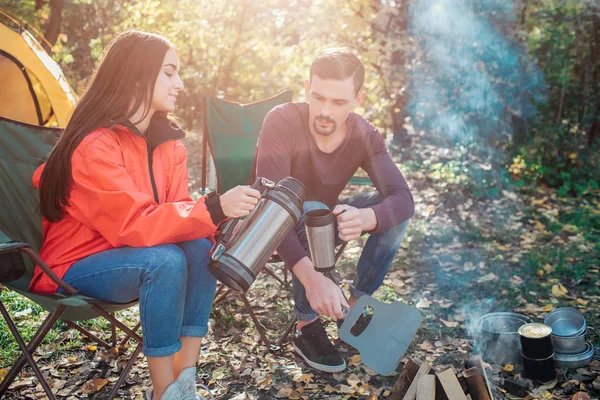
[477, 361]
[426, 388]
[404, 380]
[440, 394]
[463, 382]
[476, 384]
[450, 384]
[411, 394]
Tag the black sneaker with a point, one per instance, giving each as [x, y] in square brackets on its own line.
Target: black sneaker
[359, 326]
[317, 350]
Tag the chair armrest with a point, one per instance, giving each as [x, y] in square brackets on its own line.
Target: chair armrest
[70, 290]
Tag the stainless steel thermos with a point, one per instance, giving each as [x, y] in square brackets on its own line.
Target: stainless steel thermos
[245, 246]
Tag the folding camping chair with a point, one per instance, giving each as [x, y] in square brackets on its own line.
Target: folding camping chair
[231, 133]
[21, 148]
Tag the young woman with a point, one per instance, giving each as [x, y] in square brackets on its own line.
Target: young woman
[118, 220]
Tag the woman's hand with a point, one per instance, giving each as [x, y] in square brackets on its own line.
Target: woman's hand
[239, 201]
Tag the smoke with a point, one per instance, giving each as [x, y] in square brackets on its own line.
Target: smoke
[474, 77]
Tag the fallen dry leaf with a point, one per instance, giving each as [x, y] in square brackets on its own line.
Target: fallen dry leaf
[346, 389]
[580, 396]
[548, 308]
[306, 378]
[559, 290]
[487, 278]
[354, 360]
[94, 385]
[423, 303]
[449, 324]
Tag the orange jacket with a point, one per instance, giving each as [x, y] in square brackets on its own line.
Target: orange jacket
[116, 200]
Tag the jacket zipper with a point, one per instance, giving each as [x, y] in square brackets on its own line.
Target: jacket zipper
[150, 162]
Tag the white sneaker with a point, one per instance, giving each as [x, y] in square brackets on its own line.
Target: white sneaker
[172, 392]
[188, 385]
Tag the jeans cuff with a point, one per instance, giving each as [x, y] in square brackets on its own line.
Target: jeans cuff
[162, 351]
[305, 317]
[194, 331]
[354, 292]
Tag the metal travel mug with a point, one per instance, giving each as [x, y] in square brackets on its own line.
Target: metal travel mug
[320, 231]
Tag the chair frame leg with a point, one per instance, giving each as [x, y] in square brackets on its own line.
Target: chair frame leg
[87, 333]
[272, 273]
[259, 327]
[113, 332]
[125, 372]
[27, 350]
[127, 337]
[221, 293]
[287, 332]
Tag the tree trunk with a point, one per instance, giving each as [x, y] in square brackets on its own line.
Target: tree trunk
[400, 30]
[53, 27]
[594, 134]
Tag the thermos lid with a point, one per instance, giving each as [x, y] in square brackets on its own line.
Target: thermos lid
[535, 330]
[293, 185]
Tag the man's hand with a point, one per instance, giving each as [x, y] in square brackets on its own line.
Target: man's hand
[325, 297]
[239, 201]
[353, 221]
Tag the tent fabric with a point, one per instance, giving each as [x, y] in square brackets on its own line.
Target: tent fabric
[29, 75]
[233, 131]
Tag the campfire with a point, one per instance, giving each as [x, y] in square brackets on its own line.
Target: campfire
[420, 381]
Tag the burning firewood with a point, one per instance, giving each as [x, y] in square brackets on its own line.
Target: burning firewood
[422, 382]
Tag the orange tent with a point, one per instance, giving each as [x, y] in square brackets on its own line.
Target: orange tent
[33, 87]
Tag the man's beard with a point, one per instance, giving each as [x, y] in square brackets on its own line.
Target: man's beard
[324, 131]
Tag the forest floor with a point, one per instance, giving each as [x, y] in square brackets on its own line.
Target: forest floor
[526, 251]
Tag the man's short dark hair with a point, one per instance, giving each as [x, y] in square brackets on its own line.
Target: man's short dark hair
[339, 63]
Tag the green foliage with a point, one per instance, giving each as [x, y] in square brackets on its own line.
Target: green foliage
[245, 50]
[560, 156]
[239, 50]
[563, 150]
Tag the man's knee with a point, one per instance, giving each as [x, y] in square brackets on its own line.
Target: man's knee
[313, 205]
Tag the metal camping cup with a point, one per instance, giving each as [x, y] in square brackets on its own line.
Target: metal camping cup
[320, 232]
[238, 256]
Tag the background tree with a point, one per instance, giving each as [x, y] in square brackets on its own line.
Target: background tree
[516, 82]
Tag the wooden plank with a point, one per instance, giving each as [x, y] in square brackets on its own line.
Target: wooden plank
[404, 380]
[426, 388]
[476, 384]
[411, 394]
[477, 361]
[450, 384]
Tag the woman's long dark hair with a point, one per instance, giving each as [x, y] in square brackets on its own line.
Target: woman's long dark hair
[118, 88]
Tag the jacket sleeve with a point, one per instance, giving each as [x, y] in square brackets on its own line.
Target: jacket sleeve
[105, 198]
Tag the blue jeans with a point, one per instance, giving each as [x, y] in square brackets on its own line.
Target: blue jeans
[374, 262]
[172, 281]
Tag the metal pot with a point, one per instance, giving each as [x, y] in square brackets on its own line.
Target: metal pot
[575, 360]
[569, 344]
[566, 322]
[500, 337]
